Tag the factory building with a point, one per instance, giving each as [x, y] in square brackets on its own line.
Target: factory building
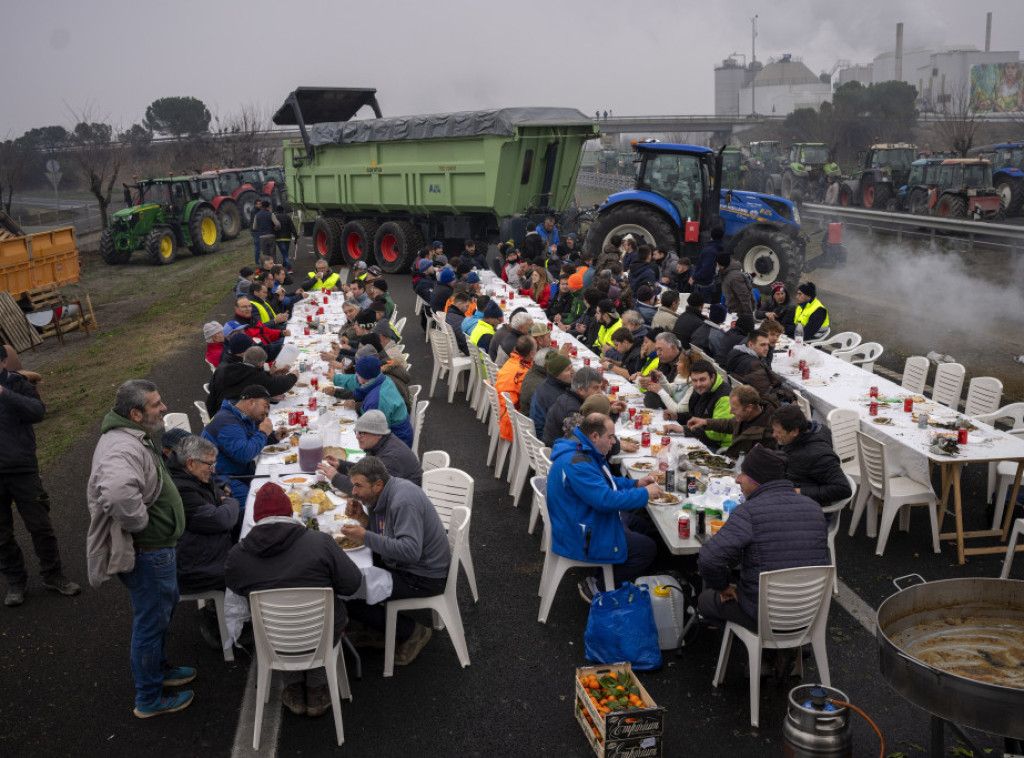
[779, 88]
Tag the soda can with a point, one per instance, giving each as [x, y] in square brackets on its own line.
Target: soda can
[873, 392]
[632, 411]
[305, 331]
[670, 480]
[309, 318]
[307, 511]
[638, 422]
[666, 441]
[312, 403]
[293, 418]
[803, 364]
[645, 439]
[805, 373]
[684, 525]
[922, 420]
[961, 436]
[873, 409]
[691, 484]
[908, 405]
[702, 518]
[586, 361]
[314, 382]
[302, 363]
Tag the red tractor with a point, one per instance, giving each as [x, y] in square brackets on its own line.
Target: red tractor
[964, 189]
[243, 186]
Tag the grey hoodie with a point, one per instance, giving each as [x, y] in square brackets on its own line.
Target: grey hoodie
[406, 532]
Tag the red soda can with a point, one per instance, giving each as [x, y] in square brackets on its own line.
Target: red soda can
[327, 297]
[314, 382]
[684, 526]
[586, 361]
[873, 409]
[645, 439]
[638, 423]
[805, 373]
[575, 352]
[632, 412]
[803, 364]
[303, 421]
[309, 318]
[312, 403]
[614, 389]
[320, 311]
[666, 441]
[293, 418]
[873, 392]
[305, 331]
[908, 405]
[961, 436]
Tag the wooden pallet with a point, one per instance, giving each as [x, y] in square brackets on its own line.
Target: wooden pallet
[43, 298]
[15, 329]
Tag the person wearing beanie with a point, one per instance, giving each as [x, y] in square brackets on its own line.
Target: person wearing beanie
[423, 284]
[737, 287]
[238, 344]
[375, 438]
[442, 291]
[737, 335]
[378, 290]
[703, 276]
[559, 371]
[749, 425]
[689, 320]
[279, 552]
[486, 326]
[213, 333]
[810, 313]
[374, 390]
[245, 277]
[609, 321]
[779, 307]
[776, 528]
[170, 439]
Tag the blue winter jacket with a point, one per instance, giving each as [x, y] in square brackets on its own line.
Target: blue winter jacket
[381, 394]
[776, 528]
[705, 270]
[584, 501]
[239, 441]
[469, 323]
[546, 394]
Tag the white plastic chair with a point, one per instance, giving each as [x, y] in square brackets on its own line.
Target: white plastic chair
[792, 610]
[458, 364]
[556, 565]
[1001, 473]
[896, 493]
[863, 355]
[431, 324]
[489, 373]
[983, 395]
[294, 631]
[217, 596]
[449, 488]
[499, 448]
[837, 342]
[414, 397]
[803, 403]
[514, 452]
[177, 421]
[521, 426]
[400, 325]
[1011, 548]
[445, 605]
[835, 510]
[212, 367]
[949, 383]
[541, 464]
[433, 459]
[915, 374]
[204, 415]
[417, 428]
[844, 425]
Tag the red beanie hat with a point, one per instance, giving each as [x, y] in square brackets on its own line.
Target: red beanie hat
[271, 500]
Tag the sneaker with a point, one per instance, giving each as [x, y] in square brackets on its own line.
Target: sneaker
[15, 595]
[179, 701]
[366, 638]
[179, 675]
[409, 649]
[318, 701]
[62, 584]
[293, 697]
[588, 588]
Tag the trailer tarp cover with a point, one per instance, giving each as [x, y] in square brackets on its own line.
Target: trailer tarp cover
[501, 122]
[319, 104]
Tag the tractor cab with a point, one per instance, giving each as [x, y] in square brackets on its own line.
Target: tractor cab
[809, 154]
[684, 179]
[1008, 156]
[766, 152]
[965, 190]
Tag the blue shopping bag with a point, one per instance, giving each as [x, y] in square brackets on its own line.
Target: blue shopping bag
[621, 628]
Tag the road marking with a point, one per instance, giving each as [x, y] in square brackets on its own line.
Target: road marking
[852, 604]
[242, 747]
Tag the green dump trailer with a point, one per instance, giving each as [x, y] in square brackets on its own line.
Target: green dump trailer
[377, 190]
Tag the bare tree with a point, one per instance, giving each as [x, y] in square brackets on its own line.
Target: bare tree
[240, 137]
[98, 155]
[958, 123]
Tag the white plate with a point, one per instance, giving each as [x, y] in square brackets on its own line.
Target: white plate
[631, 465]
[815, 383]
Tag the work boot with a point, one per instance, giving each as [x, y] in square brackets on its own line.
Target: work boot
[409, 649]
[366, 638]
[15, 595]
[293, 697]
[318, 700]
[61, 584]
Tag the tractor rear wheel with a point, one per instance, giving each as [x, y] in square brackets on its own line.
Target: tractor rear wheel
[845, 195]
[769, 257]
[769, 186]
[247, 205]
[867, 192]
[109, 252]
[1011, 196]
[754, 181]
[917, 203]
[357, 239]
[161, 246]
[230, 219]
[327, 239]
[639, 220]
[395, 245]
[883, 194]
[951, 206]
[787, 186]
[204, 229]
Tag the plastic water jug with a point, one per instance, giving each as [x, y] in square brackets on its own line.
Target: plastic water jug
[311, 450]
[669, 607]
[287, 356]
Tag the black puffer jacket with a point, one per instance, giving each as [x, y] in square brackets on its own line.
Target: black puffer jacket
[565, 405]
[813, 466]
[20, 408]
[210, 521]
[686, 325]
[231, 378]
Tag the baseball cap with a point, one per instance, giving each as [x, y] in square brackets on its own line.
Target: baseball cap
[375, 270]
[232, 326]
[254, 392]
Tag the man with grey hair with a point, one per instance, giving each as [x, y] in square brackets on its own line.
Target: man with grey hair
[375, 438]
[20, 409]
[504, 340]
[135, 519]
[668, 348]
[230, 379]
[586, 381]
[405, 531]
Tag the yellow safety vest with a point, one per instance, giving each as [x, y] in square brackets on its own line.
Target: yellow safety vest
[803, 313]
[604, 334]
[329, 283]
[267, 314]
[651, 365]
[481, 328]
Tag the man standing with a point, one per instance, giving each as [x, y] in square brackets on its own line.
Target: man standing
[750, 424]
[286, 232]
[703, 278]
[20, 485]
[405, 531]
[584, 500]
[375, 438]
[811, 462]
[776, 528]
[135, 519]
[736, 286]
[265, 224]
[510, 381]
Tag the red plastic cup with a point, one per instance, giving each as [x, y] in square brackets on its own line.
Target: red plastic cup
[327, 297]
[805, 373]
[873, 409]
[305, 331]
[614, 389]
[638, 423]
[632, 412]
[908, 405]
[309, 318]
[961, 436]
[314, 382]
[645, 439]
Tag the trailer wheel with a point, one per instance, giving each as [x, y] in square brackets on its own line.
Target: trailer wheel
[638, 220]
[769, 257]
[327, 239]
[109, 252]
[230, 219]
[357, 239]
[951, 206]
[247, 205]
[395, 245]
[161, 246]
[204, 228]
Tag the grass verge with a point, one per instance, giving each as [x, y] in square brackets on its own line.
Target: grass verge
[78, 391]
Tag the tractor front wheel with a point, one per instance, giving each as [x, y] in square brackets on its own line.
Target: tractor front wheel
[883, 195]
[647, 225]
[109, 252]
[1011, 197]
[230, 219]
[770, 256]
[161, 246]
[396, 244]
[247, 205]
[917, 203]
[204, 229]
[357, 239]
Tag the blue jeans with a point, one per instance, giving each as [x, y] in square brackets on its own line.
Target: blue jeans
[282, 246]
[153, 586]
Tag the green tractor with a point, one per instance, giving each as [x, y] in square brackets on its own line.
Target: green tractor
[733, 168]
[805, 177]
[162, 215]
[763, 167]
[884, 169]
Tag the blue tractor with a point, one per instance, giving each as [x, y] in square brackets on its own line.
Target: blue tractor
[677, 199]
[1008, 177]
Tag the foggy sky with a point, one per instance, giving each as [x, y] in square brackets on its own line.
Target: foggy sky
[109, 59]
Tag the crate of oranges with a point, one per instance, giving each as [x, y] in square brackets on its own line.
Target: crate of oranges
[616, 713]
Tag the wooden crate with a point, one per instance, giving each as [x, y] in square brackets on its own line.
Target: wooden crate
[15, 330]
[627, 730]
[635, 747]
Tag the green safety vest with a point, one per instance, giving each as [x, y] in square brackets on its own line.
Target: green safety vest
[329, 283]
[803, 313]
[650, 366]
[481, 328]
[267, 314]
[604, 334]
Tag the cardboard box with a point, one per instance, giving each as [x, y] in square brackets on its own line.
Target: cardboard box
[620, 733]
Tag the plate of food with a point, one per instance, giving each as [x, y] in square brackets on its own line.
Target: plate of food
[276, 449]
[346, 544]
[666, 498]
[816, 383]
[296, 479]
[643, 465]
[338, 452]
[881, 421]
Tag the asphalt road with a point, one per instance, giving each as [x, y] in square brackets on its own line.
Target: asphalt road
[68, 691]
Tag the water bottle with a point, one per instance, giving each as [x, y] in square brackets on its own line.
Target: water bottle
[798, 334]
